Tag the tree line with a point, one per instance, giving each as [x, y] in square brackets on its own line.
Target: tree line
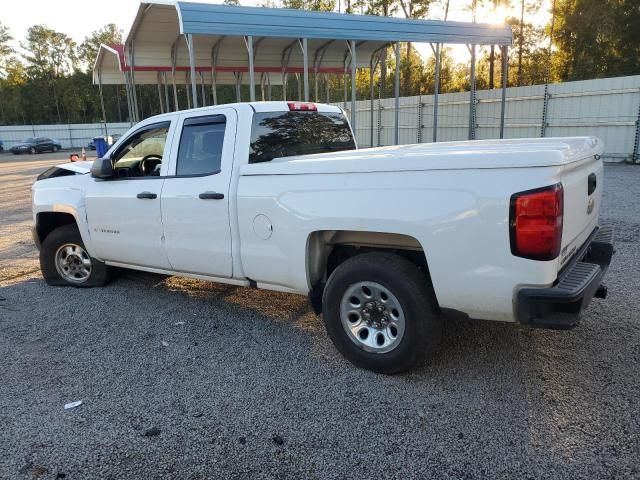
[48, 79]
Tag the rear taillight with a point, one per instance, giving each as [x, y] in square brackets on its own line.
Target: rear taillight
[535, 219]
[302, 106]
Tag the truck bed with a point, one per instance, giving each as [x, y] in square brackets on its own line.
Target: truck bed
[482, 154]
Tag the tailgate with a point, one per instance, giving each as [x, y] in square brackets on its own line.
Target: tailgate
[582, 183]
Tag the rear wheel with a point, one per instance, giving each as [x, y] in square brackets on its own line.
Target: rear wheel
[54, 149]
[380, 313]
[65, 262]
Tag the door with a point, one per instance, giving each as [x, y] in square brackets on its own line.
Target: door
[195, 199]
[123, 212]
[44, 144]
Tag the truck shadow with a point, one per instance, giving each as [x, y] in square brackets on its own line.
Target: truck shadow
[461, 340]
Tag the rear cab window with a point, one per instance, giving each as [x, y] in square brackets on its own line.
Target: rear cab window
[289, 133]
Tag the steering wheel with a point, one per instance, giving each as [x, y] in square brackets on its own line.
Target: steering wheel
[149, 163]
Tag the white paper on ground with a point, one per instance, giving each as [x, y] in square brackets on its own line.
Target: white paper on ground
[67, 406]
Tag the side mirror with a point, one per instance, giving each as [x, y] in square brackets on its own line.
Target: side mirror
[102, 168]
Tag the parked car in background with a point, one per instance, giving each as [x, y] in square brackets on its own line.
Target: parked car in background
[36, 145]
[114, 138]
[1, 146]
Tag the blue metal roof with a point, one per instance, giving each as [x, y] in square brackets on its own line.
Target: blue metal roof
[210, 19]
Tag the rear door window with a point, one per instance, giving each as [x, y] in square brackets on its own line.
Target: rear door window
[285, 134]
[200, 150]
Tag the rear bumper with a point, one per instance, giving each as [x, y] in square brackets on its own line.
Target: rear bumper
[559, 306]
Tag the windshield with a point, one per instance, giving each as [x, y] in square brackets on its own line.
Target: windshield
[30, 140]
[284, 134]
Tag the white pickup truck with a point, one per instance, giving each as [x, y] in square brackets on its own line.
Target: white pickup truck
[385, 241]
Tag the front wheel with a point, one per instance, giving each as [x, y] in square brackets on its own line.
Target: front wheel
[32, 151]
[65, 262]
[54, 149]
[380, 313]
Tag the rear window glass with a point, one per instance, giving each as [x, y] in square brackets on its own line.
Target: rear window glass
[284, 134]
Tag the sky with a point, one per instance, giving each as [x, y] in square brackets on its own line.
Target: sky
[78, 18]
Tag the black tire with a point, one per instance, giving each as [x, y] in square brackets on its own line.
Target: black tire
[32, 151]
[54, 149]
[409, 285]
[100, 273]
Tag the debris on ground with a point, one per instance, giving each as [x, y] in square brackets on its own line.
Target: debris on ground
[152, 432]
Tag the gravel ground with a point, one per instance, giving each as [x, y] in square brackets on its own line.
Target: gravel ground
[187, 379]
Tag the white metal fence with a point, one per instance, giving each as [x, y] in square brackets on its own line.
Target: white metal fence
[73, 135]
[607, 108]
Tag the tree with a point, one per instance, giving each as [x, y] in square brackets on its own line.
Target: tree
[493, 5]
[5, 48]
[412, 9]
[384, 8]
[532, 7]
[595, 38]
[5, 38]
[88, 50]
[49, 53]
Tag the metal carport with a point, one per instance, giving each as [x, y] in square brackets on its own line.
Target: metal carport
[198, 43]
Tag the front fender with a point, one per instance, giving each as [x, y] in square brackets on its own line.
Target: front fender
[63, 195]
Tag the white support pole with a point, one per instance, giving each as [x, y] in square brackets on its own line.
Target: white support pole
[305, 66]
[354, 65]
[252, 76]
[396, 123]
[472, 95]
[317, 63]
[186, 87]
[327, 86]
[132, 85]
[159, 81]
[238, 76]
[202, 95]
[505, 76]
[214, 64]
[436, 91]
[166, 91]
[104, 115]
[175, 91]
[286, 56]
[372, 69]
[192, 69]
[316, 79]
[129, 99]
[174, 59]
[344, 82]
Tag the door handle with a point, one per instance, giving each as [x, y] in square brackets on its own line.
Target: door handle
[211, 196]
[147, 195]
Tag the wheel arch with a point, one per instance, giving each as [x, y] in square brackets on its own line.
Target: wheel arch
[326, 249]
[48, 221]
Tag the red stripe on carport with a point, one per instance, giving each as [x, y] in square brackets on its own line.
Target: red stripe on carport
[242, 69]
